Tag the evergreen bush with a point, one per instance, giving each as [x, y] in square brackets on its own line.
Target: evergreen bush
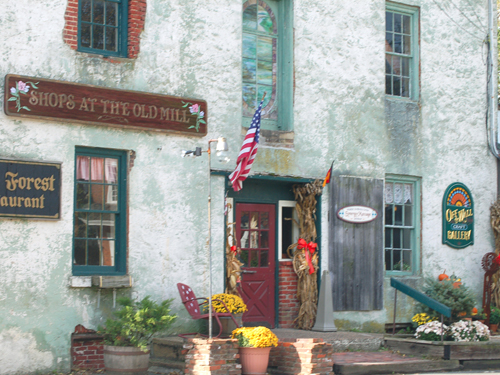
[451, 293]
[495, 315]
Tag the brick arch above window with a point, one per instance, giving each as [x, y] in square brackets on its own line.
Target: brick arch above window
[136, 20]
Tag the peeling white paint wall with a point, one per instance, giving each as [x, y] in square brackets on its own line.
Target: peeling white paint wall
[19, 353]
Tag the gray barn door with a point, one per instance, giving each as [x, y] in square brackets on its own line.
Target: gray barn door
[356, 260]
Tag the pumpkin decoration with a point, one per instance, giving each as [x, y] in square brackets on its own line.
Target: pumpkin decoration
[474, 311]
[457, 284]
[443, 276]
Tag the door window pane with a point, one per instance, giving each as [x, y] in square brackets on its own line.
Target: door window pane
[264, 240]
[264, 258]
[254, 220]
[264, 220]
[244, 220]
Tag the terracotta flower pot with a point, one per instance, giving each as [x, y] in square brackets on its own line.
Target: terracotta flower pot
[493, 327]
[254, 360]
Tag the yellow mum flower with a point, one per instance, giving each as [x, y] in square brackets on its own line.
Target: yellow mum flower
[255, 337]
[234, 303]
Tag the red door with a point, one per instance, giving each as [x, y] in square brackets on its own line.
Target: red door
[255, 231]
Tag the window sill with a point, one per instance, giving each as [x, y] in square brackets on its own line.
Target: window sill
[400, 99]
[274, 138]
[101, 282]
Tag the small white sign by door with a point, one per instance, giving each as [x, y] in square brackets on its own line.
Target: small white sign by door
[357, 214]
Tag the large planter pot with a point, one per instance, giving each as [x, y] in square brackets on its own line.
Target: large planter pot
[254, 360]
[125, 359]
[227, 323]
[493, 327]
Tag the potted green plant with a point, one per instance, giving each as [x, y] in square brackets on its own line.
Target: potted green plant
[255, 344]
[494, 318]
[127, 336]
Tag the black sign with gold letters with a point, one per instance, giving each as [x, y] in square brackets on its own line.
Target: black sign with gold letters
[30, 189]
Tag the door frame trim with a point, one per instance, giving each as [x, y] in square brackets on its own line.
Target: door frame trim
[278, 179]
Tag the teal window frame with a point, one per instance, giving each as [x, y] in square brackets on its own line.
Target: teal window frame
[121, 28]
[283, 12]
[414, 228]
[120, 256]
[413, 55]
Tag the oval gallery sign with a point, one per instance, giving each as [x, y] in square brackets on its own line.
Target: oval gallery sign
[357, 214]
[458, 216]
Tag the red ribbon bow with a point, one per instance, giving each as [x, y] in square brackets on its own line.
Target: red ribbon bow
[233, 249]
[497, 260]
[311, 246]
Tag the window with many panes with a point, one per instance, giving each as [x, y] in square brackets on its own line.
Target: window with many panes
[267, 62]
[401, 51]
[99, 240]
[102, 27]
[402, 225]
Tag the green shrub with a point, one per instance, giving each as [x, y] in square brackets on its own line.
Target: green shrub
[459, 299]
[495, 315]
[137, 322]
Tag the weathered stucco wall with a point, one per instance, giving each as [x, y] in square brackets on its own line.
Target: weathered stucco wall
[192, 49]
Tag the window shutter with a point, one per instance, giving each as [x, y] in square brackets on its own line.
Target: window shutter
[356, 251]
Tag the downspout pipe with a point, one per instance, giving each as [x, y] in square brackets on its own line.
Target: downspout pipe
[491, 76]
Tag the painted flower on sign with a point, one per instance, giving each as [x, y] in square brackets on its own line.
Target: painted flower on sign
[195, 110]
[21, 88]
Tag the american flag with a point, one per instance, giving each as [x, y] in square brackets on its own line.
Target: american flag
[248, 152]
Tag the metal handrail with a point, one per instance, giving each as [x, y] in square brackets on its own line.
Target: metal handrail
[420, 297]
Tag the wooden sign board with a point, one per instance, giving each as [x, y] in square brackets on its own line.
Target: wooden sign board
[30, 189]
[458, 216]
[73, 102]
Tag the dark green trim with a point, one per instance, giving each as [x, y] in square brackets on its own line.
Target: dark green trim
[270, 190]
[298, 180]
[122, 31]
[416, 182]
[414, 13]
[285, 65]
[120, 267]
[421, 297]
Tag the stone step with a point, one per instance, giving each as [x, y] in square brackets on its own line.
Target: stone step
[161, 362]
[167, 356]
[408, 367]
[387, 362]
[170, 348]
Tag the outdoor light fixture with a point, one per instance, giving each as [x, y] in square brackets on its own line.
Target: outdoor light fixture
[221, 151]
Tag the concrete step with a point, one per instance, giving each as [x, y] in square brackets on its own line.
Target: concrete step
[368, 363]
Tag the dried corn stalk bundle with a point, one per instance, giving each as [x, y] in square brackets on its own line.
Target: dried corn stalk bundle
[233, 265]
[305, 258]
[495, 225]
